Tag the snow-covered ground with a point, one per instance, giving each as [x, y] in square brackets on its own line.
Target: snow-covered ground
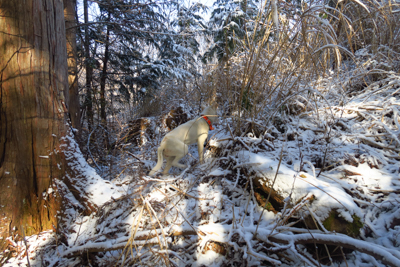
[208, 214]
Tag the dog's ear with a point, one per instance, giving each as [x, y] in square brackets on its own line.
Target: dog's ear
[203, 106]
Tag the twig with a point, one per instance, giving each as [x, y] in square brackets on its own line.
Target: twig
[131, 154]
[188, 195]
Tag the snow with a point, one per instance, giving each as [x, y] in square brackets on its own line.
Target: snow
[98, 190]
[298, 185]
[178, 216]
[209, 258]
[219, 172]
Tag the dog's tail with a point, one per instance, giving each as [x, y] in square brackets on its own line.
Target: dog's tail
[159, 160]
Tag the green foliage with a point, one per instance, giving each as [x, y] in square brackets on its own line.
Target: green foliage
[230, 23]
[145, 45]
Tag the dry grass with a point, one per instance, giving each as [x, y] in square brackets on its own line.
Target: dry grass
[270, 73]
[267, 75]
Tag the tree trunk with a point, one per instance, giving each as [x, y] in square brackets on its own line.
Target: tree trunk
[33, 93]
[103, 79]
[89, 69]
[70, 25]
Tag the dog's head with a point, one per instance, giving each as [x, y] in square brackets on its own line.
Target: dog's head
[210, 111]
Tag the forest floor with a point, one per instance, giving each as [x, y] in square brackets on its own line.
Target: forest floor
[328, 177]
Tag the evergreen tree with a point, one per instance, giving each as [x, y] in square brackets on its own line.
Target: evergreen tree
[230, 24]
[143, 42]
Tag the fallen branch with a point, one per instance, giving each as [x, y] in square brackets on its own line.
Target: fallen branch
[378, 252]
[145, 238]
[377, 145]
[386, 256]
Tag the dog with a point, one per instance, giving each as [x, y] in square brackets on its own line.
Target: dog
[174, 145]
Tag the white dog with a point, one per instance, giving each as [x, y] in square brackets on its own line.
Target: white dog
[174, 145]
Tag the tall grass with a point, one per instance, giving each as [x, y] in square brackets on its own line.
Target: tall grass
[271, 72]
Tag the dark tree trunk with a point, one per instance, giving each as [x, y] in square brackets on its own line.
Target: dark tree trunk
[70, 25]
[33, 93]
[103, 79]
[89, 69]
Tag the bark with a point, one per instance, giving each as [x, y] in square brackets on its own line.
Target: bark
[89, 69]
[70, 23]
[103, 79]
[33, 93]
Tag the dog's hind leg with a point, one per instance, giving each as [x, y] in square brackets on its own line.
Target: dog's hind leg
[173, 161]
[177, 164]
[179, 154]
[168, 165]
[175, 150]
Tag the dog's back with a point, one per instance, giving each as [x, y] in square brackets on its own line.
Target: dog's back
[174, 144]
[189, 131]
